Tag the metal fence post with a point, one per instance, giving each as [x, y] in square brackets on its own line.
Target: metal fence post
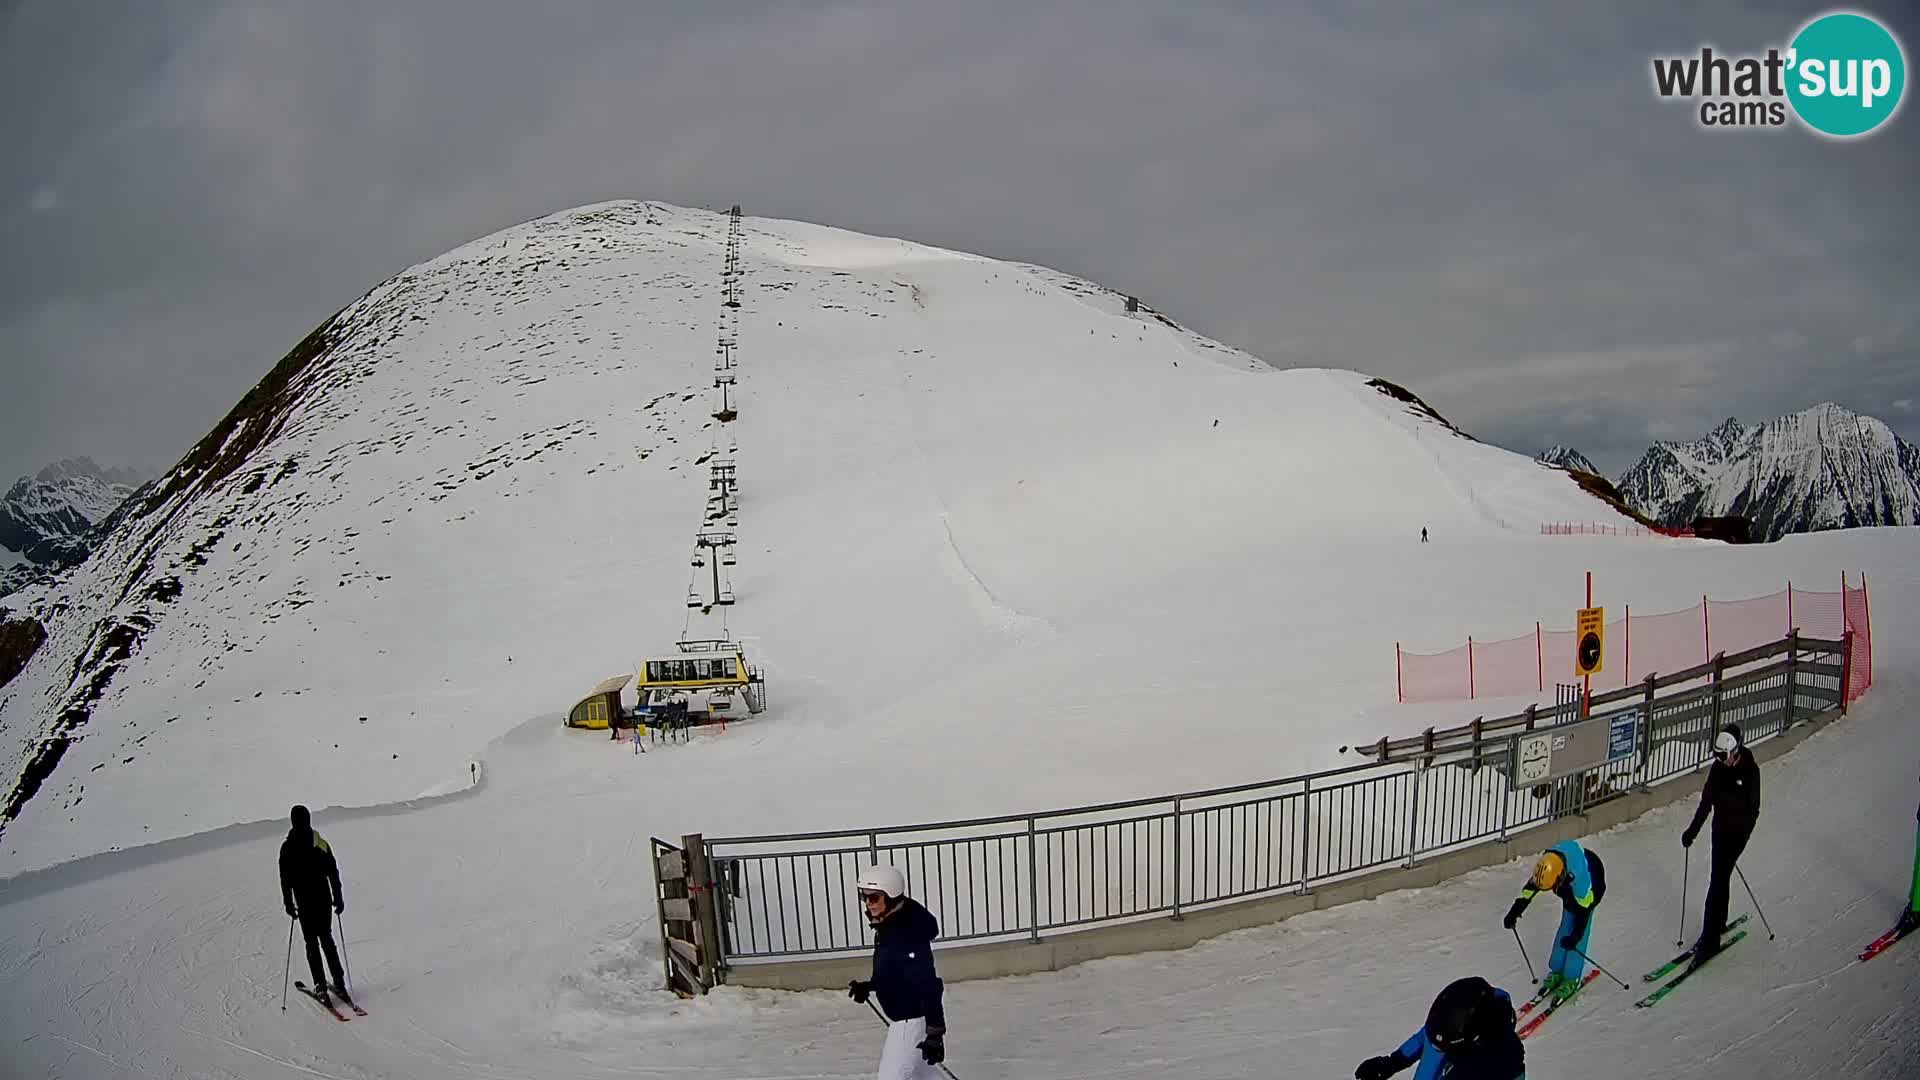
[1176, 856]
[1646, 735]
[1306, 841]
[1793, 677]
[1033, 878]
[1506, 789]
[1413, 816]
[1719, 674]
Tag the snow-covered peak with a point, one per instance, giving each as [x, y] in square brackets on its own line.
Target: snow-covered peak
[1566, 457]
[45, 519]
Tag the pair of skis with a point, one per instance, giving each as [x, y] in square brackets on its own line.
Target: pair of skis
[1729, 937]
[1528, 1020]
[329, 1004]
[1885, 941]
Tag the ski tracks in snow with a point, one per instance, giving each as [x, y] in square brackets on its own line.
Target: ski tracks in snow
[988, 608]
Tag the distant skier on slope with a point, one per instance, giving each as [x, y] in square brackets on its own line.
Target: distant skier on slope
[1732, 796]
[1468, 1036]
[904, 978]
[310, 884]
[1576, 876]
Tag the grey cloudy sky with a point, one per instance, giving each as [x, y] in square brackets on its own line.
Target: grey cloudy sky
[1484, 203]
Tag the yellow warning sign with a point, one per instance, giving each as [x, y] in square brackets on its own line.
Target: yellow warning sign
[1590, 637]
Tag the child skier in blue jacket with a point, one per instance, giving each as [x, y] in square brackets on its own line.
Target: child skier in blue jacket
[1576, 876]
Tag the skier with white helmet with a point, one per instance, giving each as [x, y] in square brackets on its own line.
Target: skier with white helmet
[904, 978]
[1732, 797]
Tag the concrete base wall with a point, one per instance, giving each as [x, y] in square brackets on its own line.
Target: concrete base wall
[1161, 933]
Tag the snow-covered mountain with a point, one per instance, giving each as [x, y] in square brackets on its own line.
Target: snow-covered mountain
[48, 520]
[1826, 467]
[970, 493]
[1566, 457]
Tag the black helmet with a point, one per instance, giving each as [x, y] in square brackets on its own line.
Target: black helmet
[301, 818]
[1461, 1014]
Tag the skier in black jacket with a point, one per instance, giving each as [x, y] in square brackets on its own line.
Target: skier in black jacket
[903, 977]
[310, 884]
[1732, 796]
[1468, 1036]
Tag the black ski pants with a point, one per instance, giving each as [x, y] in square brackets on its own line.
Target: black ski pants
[316, 927]
[1727, 849]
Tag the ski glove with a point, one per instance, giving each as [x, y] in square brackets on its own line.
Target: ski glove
[1513, 913]
[1379, 1068]
[858, 990]
[1686, 838]
[339, 904]
[934, 1047]
[291, 912]
[1571, 941]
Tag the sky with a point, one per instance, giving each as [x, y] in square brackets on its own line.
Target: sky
[1492, 208]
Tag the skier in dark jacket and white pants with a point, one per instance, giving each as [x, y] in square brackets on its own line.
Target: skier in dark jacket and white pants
[1732, 796]
[903, 977]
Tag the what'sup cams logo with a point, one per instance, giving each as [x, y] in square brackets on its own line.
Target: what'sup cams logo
[1842, 75]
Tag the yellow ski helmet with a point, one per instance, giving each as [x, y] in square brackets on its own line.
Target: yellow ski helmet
[1548, 871]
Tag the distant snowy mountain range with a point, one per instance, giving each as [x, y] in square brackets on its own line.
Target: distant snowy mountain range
[49, 521]
[1826, 467]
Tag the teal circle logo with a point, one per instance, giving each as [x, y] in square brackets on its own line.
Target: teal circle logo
[1847, 74]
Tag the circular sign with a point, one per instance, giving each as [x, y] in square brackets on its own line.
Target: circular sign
[1589, 651]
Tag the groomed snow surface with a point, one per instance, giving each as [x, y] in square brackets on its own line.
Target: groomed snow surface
[996, 557]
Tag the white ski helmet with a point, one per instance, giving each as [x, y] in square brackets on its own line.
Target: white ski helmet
[1726, 742]
[883, 879]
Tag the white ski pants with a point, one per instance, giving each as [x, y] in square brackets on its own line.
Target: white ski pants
[901, 1059]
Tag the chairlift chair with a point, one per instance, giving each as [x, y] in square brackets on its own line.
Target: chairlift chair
[726, 598]
[693, 599]
[727, 559]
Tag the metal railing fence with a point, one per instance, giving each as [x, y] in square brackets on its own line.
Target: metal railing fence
[1022, 876]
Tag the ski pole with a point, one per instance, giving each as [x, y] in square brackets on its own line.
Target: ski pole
[289, 972]
[347, 965]
[1597, 967]
[1685, 867]
[883, 1019]
[1524, 956]
[1755, 899]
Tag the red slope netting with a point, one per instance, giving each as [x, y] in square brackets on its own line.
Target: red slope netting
[1642, 645]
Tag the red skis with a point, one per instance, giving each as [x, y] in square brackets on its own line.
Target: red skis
[1884, 942]
[1529, 1026]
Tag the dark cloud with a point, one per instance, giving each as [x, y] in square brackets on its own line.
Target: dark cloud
[1485, 204]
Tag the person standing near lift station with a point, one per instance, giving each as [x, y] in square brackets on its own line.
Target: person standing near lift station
[904, 978]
